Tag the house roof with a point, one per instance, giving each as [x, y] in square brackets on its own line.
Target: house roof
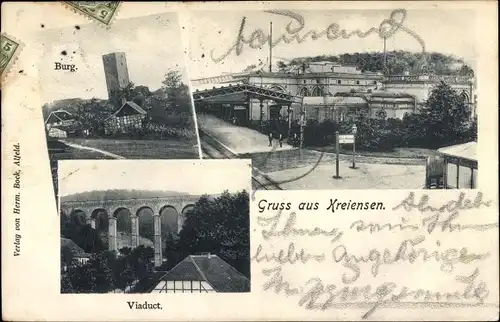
[131, 104]
[240, 93]
[464, 151]
[61, 115]
[75, 249]
[54, 130]
[211, 269]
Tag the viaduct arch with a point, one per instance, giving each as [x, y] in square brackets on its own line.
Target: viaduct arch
[94, 212]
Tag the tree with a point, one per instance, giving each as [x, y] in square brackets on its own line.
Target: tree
[219, 226]
[176, 99]
[447, 116]
[173, 79]
[126, 93]
[67, 256]
[381, 114]
[66, 285]
[84, 236]
[140, 260]
[473, 128]
[123, 273]
[100, 269]
[397, 62]
[127, 277]
[125, 251]
[171, 252]
[465, 70]
[90, 115]
[281, 66]
[81, 279]
[139, 95]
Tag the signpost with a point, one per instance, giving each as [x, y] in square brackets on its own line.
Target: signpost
[354, 131]
[345, 139]
[337, 143]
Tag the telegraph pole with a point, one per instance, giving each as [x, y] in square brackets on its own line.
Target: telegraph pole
[385, 54]
[270, 46]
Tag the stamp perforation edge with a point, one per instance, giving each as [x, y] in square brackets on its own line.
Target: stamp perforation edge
[13, 59]
[80, 12]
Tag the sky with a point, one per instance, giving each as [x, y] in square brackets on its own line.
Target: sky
[188, 176]
[212, 33]
[152, 45]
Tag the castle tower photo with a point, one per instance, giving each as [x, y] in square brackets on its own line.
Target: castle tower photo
[116, 71]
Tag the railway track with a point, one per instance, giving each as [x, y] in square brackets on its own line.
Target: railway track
[212, 149]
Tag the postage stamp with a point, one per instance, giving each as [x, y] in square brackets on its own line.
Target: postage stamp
[102, 11]
[10, 50]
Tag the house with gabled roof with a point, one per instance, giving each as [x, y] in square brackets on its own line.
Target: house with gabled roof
[202, 274]
[59, 118]
[79, 256]
[128, 117]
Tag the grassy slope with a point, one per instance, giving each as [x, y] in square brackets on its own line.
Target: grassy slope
[158, 149]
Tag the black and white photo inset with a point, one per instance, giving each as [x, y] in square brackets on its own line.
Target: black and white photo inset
[154, 226]
[117, 93]
[339, 99]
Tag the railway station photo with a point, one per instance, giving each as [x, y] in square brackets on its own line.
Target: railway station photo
[336, 120]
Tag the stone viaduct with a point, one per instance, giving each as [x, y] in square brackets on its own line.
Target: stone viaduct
[92, 208]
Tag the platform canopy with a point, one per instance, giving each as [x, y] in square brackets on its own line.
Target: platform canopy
[242, 92]
[461, 151]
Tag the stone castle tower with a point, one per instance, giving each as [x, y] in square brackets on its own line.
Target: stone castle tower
[116, 72]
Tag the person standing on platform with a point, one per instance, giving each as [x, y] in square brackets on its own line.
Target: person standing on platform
[295, 139]
[281, 140]
[270, 138]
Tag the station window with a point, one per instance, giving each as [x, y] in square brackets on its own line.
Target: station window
[339, 81]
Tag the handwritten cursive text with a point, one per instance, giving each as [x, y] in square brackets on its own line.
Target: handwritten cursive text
[258, 38]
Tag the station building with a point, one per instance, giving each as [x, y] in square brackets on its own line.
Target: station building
[325, 90]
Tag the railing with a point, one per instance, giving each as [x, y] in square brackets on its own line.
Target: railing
[427, 78]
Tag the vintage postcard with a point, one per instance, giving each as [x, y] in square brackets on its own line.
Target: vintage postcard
[297, 161]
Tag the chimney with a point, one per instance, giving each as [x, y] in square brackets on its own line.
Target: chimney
[123, 101]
